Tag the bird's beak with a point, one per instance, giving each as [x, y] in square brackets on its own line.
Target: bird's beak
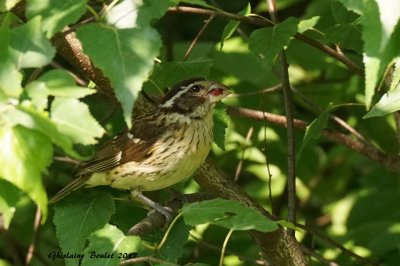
[217, 91]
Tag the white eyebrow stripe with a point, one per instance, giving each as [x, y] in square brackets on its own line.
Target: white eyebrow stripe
[170, 102]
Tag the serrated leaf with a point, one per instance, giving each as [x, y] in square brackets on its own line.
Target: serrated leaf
[313, 131]
[380, 35]
[172, 249]
[55, 83]
[152, 9]
[389, 103]
[109, 242]
[32, 48]
[228, 214]
[125, 56]
[23, 164]
[307, 24]
[266, 43]
[73, 119]
[169, 73]
[76, 218]
[55, 14]
[9, 196]
[10, 77]
[33, 119]
[221, 121]
[232, 25]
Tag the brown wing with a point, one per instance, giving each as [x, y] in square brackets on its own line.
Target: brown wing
[134, 145]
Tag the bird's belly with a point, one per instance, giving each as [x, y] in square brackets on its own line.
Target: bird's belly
[148, 177]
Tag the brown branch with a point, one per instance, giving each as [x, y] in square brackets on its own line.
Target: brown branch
[389, 161]
[291, 153]
[196, 39]
[278, 247]
[147, 259]
[31, 248]
[263, 22]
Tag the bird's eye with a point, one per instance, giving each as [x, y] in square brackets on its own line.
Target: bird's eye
[195, 88]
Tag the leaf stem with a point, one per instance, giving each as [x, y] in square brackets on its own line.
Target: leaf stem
[224, 245]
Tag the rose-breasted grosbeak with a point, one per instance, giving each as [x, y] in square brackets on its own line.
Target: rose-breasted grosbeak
[161, 149]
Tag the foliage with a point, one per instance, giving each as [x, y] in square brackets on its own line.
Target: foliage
[52, 113]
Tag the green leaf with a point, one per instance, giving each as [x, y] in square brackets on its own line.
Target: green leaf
[76, 218]
[10, 77]
[6, 5]
[31, 118]
[389, 103]
[380, 36]
[74, 120]
[232, 25]
[313, 131]
[55, 14]
[126, 57]
[172, 249]
[32, 49]
[307, 24]
[169, 73]
[228, 214]
[221, 121]
[55, 83]
[152, 9]
[108, 246]
[266, 43]
[9, 196]
[27, 153]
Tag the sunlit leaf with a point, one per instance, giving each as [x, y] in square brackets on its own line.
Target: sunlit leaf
[19, 148]
[111, 243]
[31, 47]
[6, 5]
[389, 103]
[126, 57]
[55, 83]
[9, 196]
[33, 119]
[73, 119]
[307, 24]
[10, 77]
[380, 35]
[55, 14]
[226, 213]
[76, 218]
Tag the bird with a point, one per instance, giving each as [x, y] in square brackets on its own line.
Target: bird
[163, 147]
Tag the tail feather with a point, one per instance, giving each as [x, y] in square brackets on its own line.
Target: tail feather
[74, 185]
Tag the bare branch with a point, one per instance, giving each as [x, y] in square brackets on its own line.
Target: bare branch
[391, 162]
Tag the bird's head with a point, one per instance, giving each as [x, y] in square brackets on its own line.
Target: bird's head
[194, 97]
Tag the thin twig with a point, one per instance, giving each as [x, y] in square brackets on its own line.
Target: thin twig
[291, 163]
[244, 146]
[36, 225]
[218, 249]
[147, 259]
[389, 161]
[221, 260]
[263, 22]
[196, 39]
